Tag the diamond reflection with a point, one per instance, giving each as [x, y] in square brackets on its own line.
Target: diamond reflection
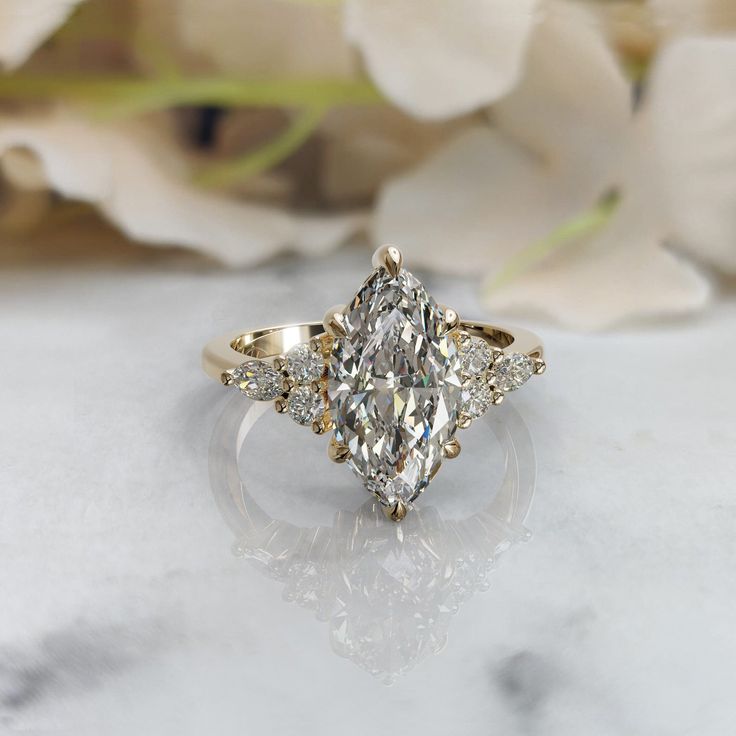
[388, 592]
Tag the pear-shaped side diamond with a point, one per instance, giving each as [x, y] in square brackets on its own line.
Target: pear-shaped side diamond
[258, 380]
[512, 371]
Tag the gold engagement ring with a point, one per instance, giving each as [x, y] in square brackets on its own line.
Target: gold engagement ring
[393, 375]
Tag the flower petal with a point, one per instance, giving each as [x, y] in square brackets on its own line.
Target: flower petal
[24, 24]
[116, 169]
[620, 274]
[475, 203]
[692, 17]
[690, 123]
[573, 104]
[259, 38]
[362, 147]
[437, 59]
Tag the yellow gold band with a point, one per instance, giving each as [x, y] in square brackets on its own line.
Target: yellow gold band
[228, 351]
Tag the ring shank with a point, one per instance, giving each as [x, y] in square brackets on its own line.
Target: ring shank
[229, 351]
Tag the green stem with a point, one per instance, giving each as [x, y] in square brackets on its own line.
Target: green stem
[568, 233]
[130, 95]
[269, 155]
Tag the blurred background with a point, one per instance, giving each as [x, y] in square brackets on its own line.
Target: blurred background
[171, 170]
[575, 160]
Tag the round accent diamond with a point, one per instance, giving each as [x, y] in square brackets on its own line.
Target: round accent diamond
[304, 405]
[511, 372]
[303, 364]
[475, 356]
[476, 398]
[258, 380]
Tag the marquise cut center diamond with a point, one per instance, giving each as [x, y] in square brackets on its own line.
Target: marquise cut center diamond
[394, 386]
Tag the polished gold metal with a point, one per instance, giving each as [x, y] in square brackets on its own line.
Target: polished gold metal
[337, 452]
[397, 511]
[232, 349]
[388, 257]
[451, 449]
[270, 345]
[450, 319]
[464, 421]
[334, 322]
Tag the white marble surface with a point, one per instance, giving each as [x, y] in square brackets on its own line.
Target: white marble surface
[125, 610]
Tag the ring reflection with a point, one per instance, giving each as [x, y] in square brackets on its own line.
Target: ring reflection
[387, 591]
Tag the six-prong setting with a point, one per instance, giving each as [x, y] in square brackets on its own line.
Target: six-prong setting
[393, 377]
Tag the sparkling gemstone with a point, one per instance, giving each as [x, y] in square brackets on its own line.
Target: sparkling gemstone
[394, 386]
[512, 371]
[258, 380]
[477, 398]
[303, 364]
[304, 405]
[475, 356]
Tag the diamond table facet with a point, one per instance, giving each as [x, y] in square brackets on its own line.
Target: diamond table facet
[394, 386]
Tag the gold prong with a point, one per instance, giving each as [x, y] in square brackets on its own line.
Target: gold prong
[497, 356]
[288, 384]
[336, 452]
[397, 511]
[539, 366]
[322, 344]
[316, 387]
[462, 337]
[451, 449]
[388, 257]
[334, 321]
[318, 427]
[279, 364]
[464, 421]
[280, 404]
[497, 397]
[227, 378]
[450, 319]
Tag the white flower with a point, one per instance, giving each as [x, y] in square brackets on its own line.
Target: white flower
[565, 136]
[688, 17]
[256, 38]
[435, 58]
[126, 172]
[24, 24]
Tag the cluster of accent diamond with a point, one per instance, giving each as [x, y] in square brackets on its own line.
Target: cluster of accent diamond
[488, 373]
[395, 375]
[296, 382]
